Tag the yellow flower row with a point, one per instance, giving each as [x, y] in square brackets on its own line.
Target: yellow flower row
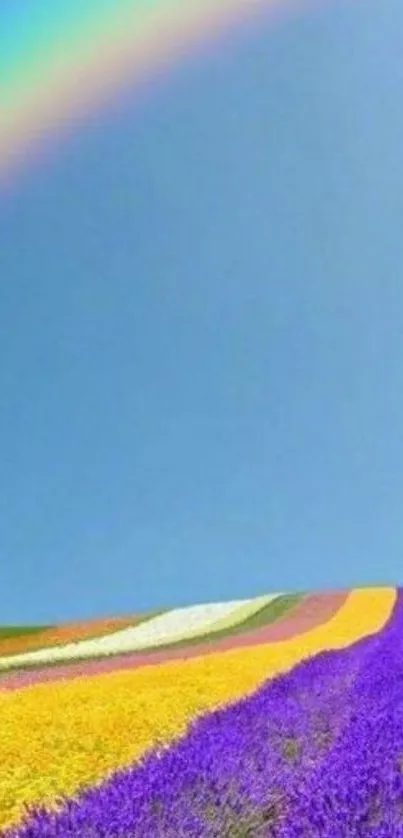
[58, 737]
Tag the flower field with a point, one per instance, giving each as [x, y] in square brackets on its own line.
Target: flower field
[279, 716]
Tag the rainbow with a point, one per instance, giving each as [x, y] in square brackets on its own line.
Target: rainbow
[60, 60]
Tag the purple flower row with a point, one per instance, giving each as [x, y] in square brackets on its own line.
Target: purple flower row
[313, 753]
[357, 790]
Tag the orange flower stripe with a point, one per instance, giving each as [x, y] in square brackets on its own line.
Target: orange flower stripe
[67, 633]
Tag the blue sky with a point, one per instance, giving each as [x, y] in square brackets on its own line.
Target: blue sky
[201, 331]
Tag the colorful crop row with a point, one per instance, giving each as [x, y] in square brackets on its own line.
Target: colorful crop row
[280, 619]
[58, 740]
[315, 753]
[175, 625]
[19, 639]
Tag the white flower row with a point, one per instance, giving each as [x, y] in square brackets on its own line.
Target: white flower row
[178, 624]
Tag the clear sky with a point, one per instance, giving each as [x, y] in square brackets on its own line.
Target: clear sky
[201, 331]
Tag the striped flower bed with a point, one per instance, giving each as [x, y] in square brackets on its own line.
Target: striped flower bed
[90, 748]
[176, 625]
[302, 756]
[14, 640]
[284, 618]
